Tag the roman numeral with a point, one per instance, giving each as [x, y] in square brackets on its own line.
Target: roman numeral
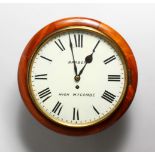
[78, 38]
[96, 110]
[41, 77]
[108, 96]
[57, 108]
[60, 45]
[110, 59]
[45, 94]
[115, 78]
[46, 58]
[75, 114]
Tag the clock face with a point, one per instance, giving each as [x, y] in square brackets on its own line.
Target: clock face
[77, 77]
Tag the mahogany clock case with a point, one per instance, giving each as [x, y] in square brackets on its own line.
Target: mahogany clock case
[103, 28]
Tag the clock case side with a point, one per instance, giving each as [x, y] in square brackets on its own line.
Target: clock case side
[35, 42]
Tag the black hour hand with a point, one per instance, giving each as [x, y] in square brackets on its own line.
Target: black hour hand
[88, 59]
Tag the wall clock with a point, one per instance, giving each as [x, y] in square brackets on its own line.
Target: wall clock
[77, 76]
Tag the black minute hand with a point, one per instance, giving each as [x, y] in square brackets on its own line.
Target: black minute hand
[71, 47]
[88, 59]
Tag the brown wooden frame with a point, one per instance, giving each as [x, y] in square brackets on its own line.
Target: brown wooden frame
[77, 21]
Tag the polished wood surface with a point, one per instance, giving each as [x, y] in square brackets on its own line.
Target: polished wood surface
[34, 43]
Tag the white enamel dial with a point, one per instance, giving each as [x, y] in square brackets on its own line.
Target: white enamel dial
[99, 69]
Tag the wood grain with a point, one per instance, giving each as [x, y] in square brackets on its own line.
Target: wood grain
[34, 43]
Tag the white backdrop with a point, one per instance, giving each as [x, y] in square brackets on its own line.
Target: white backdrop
[19, 131]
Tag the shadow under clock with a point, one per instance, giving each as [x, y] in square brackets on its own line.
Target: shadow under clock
[37, 138]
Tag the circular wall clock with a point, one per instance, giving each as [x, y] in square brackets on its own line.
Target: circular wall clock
[77, 76]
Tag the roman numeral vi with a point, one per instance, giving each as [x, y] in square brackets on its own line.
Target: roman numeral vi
[75, 114]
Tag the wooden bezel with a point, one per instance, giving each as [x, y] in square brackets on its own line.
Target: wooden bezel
[103, 28]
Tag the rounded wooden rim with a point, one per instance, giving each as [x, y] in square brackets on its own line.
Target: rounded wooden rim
[77, 21]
